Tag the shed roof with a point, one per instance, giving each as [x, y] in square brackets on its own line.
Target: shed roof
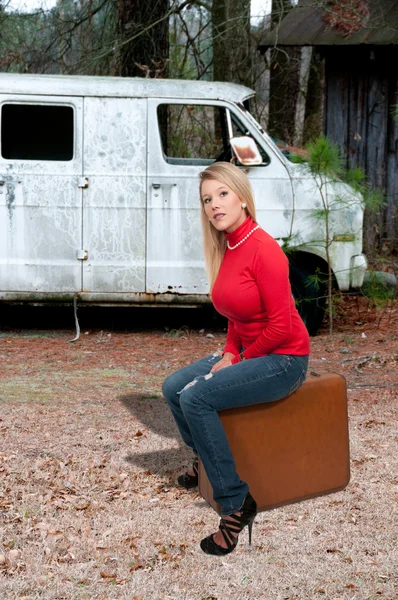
[305, 26]
[136, 87]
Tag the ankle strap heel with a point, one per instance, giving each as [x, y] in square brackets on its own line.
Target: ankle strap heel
[231, 529]
[188, 481]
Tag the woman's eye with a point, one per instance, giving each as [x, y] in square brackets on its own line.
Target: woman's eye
[224, 194]
[206, 200]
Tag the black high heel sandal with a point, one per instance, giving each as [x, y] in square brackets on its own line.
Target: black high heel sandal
[188, 481]
[232, 528]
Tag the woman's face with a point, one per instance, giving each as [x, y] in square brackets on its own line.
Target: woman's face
[222, 206]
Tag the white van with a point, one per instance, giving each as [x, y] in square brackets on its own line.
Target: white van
[99, 192]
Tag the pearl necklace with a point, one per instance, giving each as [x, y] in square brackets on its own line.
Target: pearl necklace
[243, 239]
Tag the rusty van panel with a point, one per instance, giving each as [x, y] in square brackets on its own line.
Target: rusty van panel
[114, 234]
[106, 299]
[41, 213]
[40, 222]
[114, 202]
[174, 255]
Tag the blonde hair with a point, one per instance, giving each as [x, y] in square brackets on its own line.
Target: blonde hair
[214, 241]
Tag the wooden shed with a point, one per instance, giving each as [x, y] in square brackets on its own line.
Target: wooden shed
[360, 54]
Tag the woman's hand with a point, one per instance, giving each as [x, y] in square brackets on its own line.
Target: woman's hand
[224, 362]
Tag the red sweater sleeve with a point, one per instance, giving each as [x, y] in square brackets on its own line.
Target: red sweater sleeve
[233, 343]
[271, 271]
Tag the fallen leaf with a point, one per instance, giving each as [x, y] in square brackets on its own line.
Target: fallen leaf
[54, 533]
[83, 506]
[372, 423]
[107, 575]
[68, 557]
[268, 529]
[138, 564]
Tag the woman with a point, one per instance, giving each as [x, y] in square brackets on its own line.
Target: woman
[266, 353]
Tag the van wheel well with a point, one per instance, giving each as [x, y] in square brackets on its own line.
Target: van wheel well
[308, 278]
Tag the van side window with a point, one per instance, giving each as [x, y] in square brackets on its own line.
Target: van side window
[197, 134]
[37, 132]
[193, 133]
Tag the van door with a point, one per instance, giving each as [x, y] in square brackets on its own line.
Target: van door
[114, 200]
[40, 197]
[184, 137]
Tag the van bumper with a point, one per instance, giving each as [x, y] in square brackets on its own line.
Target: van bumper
[359, 264]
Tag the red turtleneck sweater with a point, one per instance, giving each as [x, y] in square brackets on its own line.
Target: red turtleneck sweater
[253, 291]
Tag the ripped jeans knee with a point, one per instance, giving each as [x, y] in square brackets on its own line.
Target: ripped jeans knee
[213, 356]
[195, 381]
[211, 359]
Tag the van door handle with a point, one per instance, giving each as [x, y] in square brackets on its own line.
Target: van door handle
[82, 254]
[156, 186]
[83, 182]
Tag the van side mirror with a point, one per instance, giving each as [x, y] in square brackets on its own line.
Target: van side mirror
[246, 151]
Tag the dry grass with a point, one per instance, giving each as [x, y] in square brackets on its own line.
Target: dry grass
[88, 505]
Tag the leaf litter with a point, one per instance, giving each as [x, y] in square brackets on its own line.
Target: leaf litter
[89, 457]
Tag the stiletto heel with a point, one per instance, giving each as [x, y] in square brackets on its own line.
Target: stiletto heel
[188, 481]
[231, 529]
[250, 527]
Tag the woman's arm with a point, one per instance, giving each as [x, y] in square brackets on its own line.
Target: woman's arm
[233, 343]
[233, 346]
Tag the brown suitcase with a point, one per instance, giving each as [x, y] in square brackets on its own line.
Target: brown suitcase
[293, 449]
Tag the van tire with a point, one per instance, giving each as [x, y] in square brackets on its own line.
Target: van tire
[310, 296]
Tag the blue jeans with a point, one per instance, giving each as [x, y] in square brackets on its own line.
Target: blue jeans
[195, 409]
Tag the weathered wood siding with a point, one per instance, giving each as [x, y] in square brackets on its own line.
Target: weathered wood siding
[361, 92]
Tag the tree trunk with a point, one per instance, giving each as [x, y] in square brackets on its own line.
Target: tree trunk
[232, 59]
[284, 85]
[313, 124]
[143, 45]
[306, 55]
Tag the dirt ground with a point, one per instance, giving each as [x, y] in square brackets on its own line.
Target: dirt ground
[89, 456]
